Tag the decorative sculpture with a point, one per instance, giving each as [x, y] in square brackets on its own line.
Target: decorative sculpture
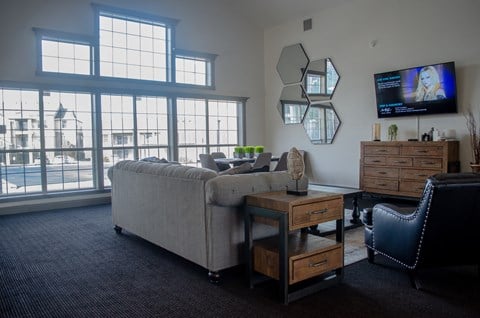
[296, 169]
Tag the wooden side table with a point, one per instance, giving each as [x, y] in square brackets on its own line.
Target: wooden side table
[295, 256]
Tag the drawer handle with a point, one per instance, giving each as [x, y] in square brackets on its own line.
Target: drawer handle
[422, 151]
[317, 212]
[400, 161]
[382, 150]
[381, 172]
[382, 184]
[428, 163]
[376, 161]
[318, 264]
[423, 175]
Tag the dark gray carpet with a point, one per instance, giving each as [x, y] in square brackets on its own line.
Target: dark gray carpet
[71, 263]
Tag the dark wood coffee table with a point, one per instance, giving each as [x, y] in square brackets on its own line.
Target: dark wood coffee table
[348, 193]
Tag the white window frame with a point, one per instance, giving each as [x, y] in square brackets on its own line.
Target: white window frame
[67, 38]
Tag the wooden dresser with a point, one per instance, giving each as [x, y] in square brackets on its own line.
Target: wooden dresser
[401, 167]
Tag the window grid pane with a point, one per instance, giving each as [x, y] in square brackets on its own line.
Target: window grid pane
[68, 141]
[191, 70]
[118, 130]
[132, 49]
[65, 57]
[191, 122]
[223, 123]
[19, 142]
[152, 121]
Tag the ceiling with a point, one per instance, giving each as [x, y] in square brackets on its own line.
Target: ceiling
[269, 13]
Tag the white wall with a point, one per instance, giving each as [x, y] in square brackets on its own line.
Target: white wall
[205, 26]
[408, 33]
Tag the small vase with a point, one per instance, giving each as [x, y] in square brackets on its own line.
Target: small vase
[475, 167]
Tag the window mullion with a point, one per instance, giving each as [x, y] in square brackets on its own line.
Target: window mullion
[43, 155]
[172, 129]
[135, 129]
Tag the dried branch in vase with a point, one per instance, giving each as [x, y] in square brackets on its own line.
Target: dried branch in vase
[474, 132]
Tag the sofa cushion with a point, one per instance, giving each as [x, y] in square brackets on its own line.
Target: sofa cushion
[230, 190]
[166, 169]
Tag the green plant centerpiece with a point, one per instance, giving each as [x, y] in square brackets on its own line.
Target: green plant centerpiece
[238, 152]
[259, 150]
[392, 132]
[249, 151]
[474, 133]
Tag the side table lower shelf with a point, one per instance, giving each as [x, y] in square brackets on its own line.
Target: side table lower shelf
[308, 256]
[302, 263]
[314, 263]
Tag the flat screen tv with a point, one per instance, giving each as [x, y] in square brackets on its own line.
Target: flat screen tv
[421, 90]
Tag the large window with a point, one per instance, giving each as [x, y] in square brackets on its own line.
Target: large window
[192, 129]
[68, 140]
[223, 125]
[49, 150]
[58, 137]
[51, 141]
[194, 68]
[152, 126]
[64, 57]
[133, 47]
[64, 53]
[19, 142]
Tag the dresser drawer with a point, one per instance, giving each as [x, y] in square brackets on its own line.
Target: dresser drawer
[381, 150]
[415, 187]
[375, 160]
[400, 161]
[380, 172]
[417, 174]
[316, 264]
[315, 213]
[428, 163]
[423, 151]
[381, 184]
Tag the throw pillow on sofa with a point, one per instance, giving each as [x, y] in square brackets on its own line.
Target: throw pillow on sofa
[243, 168]
[154, 160]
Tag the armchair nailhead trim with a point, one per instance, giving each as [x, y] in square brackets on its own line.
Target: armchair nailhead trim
[429, 189]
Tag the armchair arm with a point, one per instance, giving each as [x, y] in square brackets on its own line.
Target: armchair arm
[396, 232]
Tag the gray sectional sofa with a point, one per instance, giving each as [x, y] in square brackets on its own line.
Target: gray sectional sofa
[192, 212]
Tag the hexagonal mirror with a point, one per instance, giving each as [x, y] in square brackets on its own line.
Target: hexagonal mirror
[320, 80]
[292, 64]
[293, 104]
[321, 123]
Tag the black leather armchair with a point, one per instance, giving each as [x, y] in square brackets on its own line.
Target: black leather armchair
[443, 230]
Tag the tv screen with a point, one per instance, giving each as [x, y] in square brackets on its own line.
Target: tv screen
[422, 90]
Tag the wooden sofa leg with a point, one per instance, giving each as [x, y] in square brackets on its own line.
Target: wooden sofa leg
[214, 277]
[117, 229]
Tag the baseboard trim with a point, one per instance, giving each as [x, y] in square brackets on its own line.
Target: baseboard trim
[63, 202]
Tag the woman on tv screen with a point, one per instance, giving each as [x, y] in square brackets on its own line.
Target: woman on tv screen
[429, 85]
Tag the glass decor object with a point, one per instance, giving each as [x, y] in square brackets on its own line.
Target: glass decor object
[321, 123]
[292, 64]
[293, 104]
[321, 80]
